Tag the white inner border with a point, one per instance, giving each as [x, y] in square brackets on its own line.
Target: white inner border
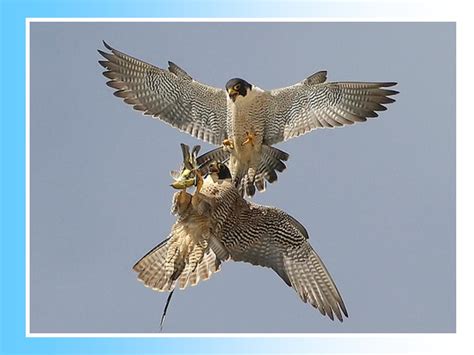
[445, 339]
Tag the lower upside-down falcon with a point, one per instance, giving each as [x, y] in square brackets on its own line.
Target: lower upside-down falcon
[217, 224]
[244, 118]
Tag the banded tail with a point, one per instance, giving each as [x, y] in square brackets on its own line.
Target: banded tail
[271, 163]
[166, 266]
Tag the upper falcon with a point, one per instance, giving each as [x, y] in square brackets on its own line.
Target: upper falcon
[244, 119]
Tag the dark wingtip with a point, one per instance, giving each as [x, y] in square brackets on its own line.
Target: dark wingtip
[107, 46]
[103, 63]
[172, 67]
[343, 309]
[102, 53]
[388, 84]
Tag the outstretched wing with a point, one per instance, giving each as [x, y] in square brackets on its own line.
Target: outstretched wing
[315, 103]
[171, 95]
[269, 237]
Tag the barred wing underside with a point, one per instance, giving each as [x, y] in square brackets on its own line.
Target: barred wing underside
[314, 103]
[269, 237]
[171, 95]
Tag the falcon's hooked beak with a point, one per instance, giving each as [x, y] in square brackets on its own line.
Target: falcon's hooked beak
[237, 87]
[232, 93]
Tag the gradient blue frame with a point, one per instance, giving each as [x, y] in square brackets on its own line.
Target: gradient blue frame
[13, 23]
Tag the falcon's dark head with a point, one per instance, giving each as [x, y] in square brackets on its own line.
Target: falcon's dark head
[236, 87]
[219, 171]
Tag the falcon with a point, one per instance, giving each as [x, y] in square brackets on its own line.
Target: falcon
[244, 120]
[217, 224]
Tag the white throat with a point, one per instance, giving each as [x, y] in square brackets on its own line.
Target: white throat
[242, 101]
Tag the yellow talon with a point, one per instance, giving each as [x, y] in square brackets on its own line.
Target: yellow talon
[228, 142]
[250, 138]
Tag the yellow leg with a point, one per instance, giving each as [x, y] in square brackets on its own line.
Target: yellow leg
[250, 138]
[228, 143]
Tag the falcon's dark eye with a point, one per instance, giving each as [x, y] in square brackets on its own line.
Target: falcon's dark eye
[237, 87]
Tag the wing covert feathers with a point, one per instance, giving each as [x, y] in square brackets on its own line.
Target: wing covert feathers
[314, 103]
[171, 95]
[236, 229]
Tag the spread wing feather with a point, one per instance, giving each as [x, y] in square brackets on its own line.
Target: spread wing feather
[314, 103]
[171, 95]
[269, 237]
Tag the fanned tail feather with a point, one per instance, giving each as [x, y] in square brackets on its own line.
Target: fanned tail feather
[271, 163]
[177, 262]
[218, 154]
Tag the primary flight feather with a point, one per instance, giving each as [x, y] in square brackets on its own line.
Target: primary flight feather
[217, 224]
[244, 120]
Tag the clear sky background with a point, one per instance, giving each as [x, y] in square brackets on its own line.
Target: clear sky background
[378, 198]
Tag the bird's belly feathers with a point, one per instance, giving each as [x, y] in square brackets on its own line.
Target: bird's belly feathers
[244, 123]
